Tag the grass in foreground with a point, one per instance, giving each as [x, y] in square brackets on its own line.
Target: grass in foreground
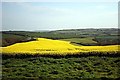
[62, 68]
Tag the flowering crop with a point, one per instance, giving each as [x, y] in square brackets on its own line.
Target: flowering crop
[49, 46]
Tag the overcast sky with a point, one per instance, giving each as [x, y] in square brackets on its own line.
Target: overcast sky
[58, 15]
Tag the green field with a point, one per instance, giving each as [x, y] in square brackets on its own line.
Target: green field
[82, 41]
[91, 67]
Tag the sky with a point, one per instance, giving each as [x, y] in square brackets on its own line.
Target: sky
[58, 15]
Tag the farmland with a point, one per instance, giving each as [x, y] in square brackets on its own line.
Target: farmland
[91, 67]
[81, 41]
[55, 47]
[94, 36]
[61, 54]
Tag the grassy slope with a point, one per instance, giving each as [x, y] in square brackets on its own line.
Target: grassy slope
[8, 39]
[78, 41]
[64, 34]
[63, 68]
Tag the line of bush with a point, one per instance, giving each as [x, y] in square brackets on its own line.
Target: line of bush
[82, 54]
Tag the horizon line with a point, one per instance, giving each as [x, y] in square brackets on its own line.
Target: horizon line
[58, 29]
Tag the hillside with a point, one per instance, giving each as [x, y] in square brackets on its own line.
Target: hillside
[62, 54]
[97, 36]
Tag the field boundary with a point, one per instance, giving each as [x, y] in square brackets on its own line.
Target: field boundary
[82, 54]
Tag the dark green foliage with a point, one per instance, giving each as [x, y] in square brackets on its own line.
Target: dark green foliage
[9, 38]
[47, 68]
[107, 40]
[81, 54]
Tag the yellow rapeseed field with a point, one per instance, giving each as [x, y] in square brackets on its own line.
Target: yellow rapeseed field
[49, 46]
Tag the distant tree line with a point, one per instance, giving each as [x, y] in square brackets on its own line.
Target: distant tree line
[107, 40]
